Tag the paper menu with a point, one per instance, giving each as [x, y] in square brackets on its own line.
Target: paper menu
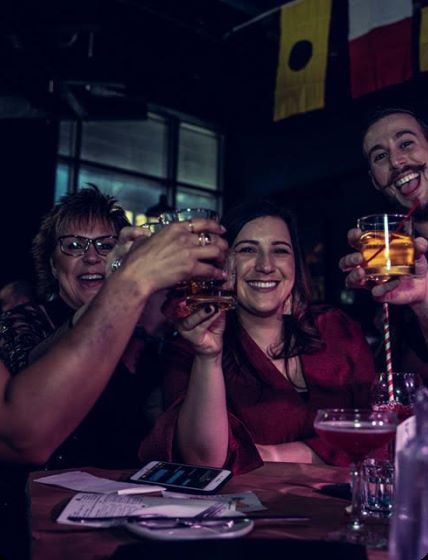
[85, 482]
[244, 502]
[85, 504]
[101, 496]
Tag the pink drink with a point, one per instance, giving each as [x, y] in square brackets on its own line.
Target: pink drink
[356, 440]
[403, 411]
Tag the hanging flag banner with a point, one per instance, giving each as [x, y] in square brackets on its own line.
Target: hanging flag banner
[423, 41]
[380, 36]
[302, 59]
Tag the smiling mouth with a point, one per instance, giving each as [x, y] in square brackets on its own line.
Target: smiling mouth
[406, 179]
[408, 183]
[262, 284]
[91, 277]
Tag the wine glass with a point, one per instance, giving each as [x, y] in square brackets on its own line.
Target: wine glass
[357, 432]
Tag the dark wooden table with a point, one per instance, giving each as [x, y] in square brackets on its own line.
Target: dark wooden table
[284, 488]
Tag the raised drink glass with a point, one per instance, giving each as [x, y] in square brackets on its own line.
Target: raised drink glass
[387, 246]
[357, 433]
[202, 291]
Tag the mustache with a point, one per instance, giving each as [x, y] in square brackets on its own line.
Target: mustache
[395, 174]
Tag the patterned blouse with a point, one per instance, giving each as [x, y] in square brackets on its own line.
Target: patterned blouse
[110, 434]
[21, 329]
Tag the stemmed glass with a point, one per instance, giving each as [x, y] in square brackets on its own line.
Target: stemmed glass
[404, 389]
[357, 433]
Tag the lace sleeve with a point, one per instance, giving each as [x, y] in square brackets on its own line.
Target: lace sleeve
[21, 329]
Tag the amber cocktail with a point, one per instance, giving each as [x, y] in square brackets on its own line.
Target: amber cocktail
[387, 246]
[199, 292]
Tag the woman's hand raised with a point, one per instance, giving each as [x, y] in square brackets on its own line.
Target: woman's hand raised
[204, 330]
[176, 254]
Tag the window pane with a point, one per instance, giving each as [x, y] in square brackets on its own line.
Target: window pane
[186, 198]
[66, 138]
[197, 156]
[134, 145]
[134, 194]
[62, 180]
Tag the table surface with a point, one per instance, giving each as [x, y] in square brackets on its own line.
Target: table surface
[283, 488]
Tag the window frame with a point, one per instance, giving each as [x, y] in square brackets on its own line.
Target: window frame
[168, 184]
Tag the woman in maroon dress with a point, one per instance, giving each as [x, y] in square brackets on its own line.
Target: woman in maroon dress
[243, 387]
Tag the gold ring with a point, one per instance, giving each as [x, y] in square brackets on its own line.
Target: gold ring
[191, 226]
[204, 239]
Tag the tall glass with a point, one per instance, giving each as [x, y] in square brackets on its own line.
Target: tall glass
[357, 433]
[202, 291]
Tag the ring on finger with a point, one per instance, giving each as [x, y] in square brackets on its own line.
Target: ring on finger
[204, 239]
[116, 264]
[191, 226]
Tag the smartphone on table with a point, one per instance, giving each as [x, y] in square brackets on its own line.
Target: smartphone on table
[182, 478]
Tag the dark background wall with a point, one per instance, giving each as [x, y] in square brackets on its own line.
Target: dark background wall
[28, 154]
[186, 56]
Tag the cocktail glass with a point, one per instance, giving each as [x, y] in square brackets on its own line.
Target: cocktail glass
[387, 246]
[357, 432]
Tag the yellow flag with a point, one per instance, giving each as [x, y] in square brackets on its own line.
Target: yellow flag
[423, 41]
[302, 60]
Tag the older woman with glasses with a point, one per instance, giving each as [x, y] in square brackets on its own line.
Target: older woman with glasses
[81, 402]
[70, 253]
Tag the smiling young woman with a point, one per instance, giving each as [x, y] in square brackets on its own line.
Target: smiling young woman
[244, 386]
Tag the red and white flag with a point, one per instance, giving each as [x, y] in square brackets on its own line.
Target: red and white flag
[380, 37]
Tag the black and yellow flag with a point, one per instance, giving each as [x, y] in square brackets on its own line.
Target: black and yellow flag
[302, 60]
[423, 41]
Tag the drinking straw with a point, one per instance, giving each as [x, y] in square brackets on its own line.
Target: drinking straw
[387, 337]
[386, 329]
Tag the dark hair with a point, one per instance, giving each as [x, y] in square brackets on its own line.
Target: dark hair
[300, 334]
[83, 207]
[381, 113]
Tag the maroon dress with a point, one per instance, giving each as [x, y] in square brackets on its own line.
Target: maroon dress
[265, 408]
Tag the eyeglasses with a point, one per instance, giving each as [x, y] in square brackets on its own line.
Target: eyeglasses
[76, 246]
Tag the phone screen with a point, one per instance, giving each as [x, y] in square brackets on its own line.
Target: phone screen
[185, 476]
